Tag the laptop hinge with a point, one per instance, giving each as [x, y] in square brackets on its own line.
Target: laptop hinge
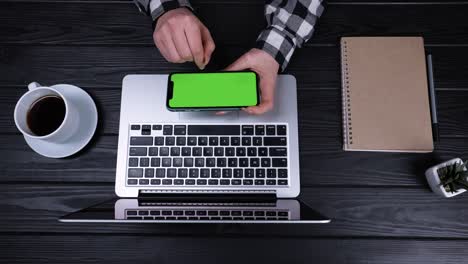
[208, 196]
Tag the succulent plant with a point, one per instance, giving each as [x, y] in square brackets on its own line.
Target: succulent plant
[454, 177]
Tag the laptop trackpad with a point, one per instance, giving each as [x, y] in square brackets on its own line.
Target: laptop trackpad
[208, 116]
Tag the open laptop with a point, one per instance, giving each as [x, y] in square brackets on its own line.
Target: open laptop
[199, 167]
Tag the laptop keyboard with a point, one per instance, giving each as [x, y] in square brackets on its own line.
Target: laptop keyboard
[208, 155]
[203, 214]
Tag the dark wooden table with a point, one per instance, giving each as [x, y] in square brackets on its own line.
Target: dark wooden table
[382, 208]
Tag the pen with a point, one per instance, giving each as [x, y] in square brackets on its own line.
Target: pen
[432, 98]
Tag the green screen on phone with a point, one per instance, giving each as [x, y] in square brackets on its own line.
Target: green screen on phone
[213, 90]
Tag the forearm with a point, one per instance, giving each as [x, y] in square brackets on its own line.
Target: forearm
[289, 26]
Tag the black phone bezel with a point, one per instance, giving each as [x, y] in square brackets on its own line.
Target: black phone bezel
[212, 108]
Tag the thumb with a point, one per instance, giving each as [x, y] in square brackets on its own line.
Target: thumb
[208, 45]
[239, 65]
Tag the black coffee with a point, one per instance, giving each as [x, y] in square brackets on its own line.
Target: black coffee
[45, 115]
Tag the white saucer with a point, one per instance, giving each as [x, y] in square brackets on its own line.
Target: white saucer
[88, 113]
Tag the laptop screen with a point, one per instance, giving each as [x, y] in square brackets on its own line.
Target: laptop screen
[153, 211]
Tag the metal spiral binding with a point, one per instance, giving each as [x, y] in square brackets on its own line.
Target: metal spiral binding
[347, 126]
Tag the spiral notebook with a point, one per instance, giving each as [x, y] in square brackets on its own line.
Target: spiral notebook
[385, 95]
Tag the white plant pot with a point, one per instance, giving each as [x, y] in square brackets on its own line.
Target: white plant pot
[433, 179]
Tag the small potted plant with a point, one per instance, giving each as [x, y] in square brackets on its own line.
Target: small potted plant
[448, 179]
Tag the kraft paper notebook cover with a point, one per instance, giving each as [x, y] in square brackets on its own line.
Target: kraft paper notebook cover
[385, 95]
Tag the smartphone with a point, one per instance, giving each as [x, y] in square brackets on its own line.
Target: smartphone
[216, 91]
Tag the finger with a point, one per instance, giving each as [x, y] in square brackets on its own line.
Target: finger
[260, 109]
[239, 65]
[193, 36]
[162, 49]
[247, 110]
[208, 44]
[181, 45]
[171, 50]
[267, 88]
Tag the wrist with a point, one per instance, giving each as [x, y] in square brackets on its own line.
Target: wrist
[267, 57]
[167, 6]
[169, 12]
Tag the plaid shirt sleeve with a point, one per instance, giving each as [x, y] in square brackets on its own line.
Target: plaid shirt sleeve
[155, 8]
[290, 24]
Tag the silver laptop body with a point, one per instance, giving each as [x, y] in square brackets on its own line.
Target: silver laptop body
[144, 103]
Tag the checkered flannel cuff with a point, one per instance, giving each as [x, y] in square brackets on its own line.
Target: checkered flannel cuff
[279, 45]
[159, 7]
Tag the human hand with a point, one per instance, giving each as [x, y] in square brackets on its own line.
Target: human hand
[180, 37]
[266, 67]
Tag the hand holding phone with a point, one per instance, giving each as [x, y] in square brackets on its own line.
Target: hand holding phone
[267, 68]
[217, 91]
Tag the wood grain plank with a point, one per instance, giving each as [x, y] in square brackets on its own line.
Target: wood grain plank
[105, 67]
[235, 24]
[319, 111]
[322, 162]
[92, 249]
[95, 163]
[356, 212]
[196, 2]
[389, 224]
[50, 23]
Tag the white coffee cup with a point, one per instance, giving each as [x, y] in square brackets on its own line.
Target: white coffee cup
[69, 124]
